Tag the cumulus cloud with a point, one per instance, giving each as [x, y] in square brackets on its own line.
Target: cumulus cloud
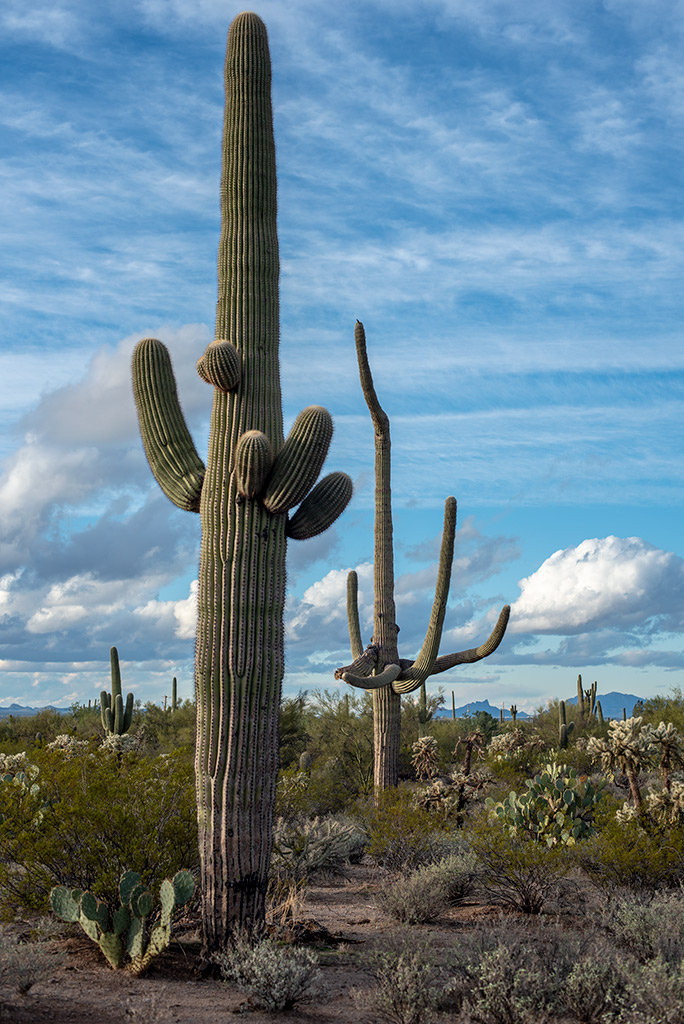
[609, 582]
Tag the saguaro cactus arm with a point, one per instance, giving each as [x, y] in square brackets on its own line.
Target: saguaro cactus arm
[411, 678]
[169, 448]
[253, 478]
[353, 615]
[446, 661]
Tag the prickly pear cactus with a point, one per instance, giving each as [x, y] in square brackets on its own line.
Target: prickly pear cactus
[557, 809]
[125, 937]
[253, 479]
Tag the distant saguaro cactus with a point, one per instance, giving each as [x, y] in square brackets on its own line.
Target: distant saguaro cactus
[116, 717]
[253, 479]
[379, 667]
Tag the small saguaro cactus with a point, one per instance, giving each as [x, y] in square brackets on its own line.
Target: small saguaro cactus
[564, 729]
[514, 711]
[379, 667]
[586, 699]
[116, 717]
[253, 480]
[174, 694]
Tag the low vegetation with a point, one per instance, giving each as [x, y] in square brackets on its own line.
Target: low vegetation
[581, 846]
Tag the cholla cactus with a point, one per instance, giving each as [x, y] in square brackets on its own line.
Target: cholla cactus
[630, 748]
[557, 809]
[69, 745]
[425, 757]
[669, 748]
[667, 805]
[17, 768]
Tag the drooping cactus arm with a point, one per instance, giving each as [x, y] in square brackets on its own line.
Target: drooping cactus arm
[168, 445]
[353, 615]
[447, 661]
[361, 666]
[387, 676]
[411, 678]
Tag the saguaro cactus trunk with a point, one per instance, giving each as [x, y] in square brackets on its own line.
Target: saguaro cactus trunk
[379, 667]
[253, 477]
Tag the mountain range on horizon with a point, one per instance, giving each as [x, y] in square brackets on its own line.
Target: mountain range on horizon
[611, 704]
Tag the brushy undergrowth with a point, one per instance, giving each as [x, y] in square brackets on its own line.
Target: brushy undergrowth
[275, 978]
[405, 990]
[93, 816]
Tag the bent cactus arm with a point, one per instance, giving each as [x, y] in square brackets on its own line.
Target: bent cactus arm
[379, 667]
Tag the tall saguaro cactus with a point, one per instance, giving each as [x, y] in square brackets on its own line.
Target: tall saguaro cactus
[253, 478]
[379, 667]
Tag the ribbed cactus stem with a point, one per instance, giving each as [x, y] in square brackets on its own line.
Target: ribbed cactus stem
[252, 479]
[115, 715]
[174, 694]
[378, 667]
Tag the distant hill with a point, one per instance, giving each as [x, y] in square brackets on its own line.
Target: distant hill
[473, 707]
[612, 703]
[19, 711]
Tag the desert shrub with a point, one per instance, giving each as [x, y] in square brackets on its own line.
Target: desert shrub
[518, 872]
[648, 928]
[595, 991]
[304, 848]
[22, 965]
[274, 978]
[505, 987]
[321, 791]
[415, 898]
[657, 994]
[624, 854]
[94, 816]
[404, 991]
[401, 835]
[456, 874]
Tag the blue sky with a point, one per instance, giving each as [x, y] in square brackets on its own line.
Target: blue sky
[495, 189]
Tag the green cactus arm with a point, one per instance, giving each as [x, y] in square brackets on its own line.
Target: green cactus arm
[447, 661]
[116, 672]
[168, 445]
[353, 614]
[253, 462]
[118, 715]
[321, 507]
[411, 679]
[300, 460]
[106, 711]
[387, 676]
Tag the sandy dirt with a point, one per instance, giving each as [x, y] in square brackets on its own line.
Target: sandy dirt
[343, 926]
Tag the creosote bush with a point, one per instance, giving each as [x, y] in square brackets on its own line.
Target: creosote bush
[94, 816]
[275, 978]
[517, 871]
[401, 835]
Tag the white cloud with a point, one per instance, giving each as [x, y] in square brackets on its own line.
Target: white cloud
[609, 582]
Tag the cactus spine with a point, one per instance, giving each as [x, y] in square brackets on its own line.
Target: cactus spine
[379, 667]
[116, 717]
[243, 498]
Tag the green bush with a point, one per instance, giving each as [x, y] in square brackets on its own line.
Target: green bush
[624, 854]
[648, 927]
[657, 994]
[94, 816]
[405, 991]
[402, 836]
[518, 872]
